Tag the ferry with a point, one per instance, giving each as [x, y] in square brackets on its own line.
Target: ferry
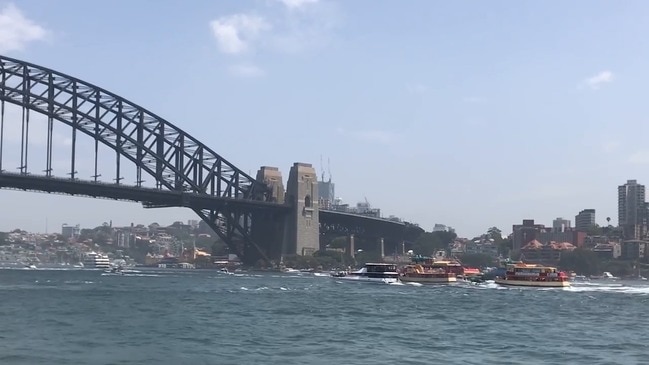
[427, 270]
[379, 273]
[520, 274]
[93, 260]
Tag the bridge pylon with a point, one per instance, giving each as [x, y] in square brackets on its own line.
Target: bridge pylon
[268, 227]
[303, 222]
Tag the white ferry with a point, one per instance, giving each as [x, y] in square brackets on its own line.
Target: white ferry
[93, 260]
[379, 273]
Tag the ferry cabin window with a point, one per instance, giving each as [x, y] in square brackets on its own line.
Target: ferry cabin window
[382, 268]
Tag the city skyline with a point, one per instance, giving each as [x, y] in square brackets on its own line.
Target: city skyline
[464, 114]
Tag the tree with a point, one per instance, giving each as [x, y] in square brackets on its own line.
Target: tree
[477, 260]
[595, 230]
[339, 242]
[430, 242]
[495, 234]
[3, 238]
[505, 246]
[581, 261]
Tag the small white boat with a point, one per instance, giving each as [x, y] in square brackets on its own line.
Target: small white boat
[579, 278]
[115, 271]
[605, 276]
[224, 270]
[372, 272]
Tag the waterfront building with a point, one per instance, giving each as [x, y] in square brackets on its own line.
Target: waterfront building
[632, 209]
[585, 220]
[549, 253]
[442, 228]
[68, 231]
[560, 225]
[529, 231]
[525, 233]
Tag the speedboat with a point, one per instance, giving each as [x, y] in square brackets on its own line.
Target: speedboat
[605, 276]
[373, 272]
[224, 270]
[116, 270]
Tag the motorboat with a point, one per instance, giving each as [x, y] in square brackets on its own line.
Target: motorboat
[115, 270]
[224, 270]
[372, 272]
[605, 276]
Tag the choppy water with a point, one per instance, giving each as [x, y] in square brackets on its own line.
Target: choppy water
[200, 317]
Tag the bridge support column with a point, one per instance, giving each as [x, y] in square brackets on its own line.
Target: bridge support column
[267, 227]
[352, 249]
[381, 247]
[303, 225]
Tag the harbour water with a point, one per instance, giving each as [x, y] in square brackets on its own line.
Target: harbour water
[204, 317]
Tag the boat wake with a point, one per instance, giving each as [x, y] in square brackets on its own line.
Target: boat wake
[608, 288]
[412, 284]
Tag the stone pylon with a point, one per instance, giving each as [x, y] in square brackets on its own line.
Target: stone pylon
[303, 222]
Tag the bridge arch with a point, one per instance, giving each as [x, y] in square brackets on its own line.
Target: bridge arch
[176, 160]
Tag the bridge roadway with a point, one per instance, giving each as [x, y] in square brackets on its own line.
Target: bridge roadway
[150, 197]
[154, 198]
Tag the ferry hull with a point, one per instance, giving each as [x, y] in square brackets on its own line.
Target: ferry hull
[366, 279]
[537, 284]
[428, 279]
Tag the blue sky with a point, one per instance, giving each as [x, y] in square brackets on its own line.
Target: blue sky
[471, 114]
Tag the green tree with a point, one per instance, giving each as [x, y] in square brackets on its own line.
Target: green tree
[505, 247]
[477, 260]
[430, 242]
[595, 230]
[495, 234]
[581, 261]
[339, 242]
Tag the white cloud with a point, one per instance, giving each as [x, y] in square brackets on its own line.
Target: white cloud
[596, 81]
[297, 4]
[285, 31]
[236, 33]
[246, 70]
[16, 31]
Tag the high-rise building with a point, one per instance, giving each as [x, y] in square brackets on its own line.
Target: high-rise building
[327, 193]
[631, 209]
[68, 231]
[560, 225]
[585, 220]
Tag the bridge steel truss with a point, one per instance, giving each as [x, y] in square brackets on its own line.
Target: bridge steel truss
[177, 161]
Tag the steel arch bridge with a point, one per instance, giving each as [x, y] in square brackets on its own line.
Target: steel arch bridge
[184, 172]
[185, 169]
